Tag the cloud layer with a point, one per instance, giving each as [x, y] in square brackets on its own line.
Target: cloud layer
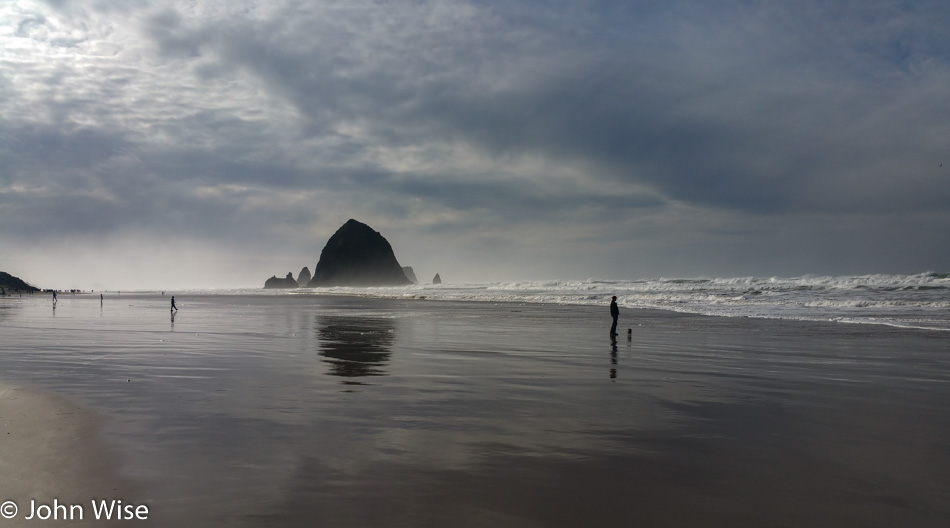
[486, 141]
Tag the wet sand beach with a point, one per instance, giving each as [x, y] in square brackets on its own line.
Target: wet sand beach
[306, 410]
[51, 449]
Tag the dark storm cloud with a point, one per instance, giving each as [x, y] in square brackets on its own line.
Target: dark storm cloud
[748, 106]
[48, 152]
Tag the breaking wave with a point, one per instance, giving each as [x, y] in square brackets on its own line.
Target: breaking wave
[911, 301]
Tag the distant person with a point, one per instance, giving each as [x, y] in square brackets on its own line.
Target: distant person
[614, 314]
[101, 298]
[54, 296]
[174, 308]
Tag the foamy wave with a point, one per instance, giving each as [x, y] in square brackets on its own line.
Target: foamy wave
[914, 301]
[919, 301]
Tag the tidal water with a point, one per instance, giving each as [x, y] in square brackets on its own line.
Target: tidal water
[309, 410]
[919, 301]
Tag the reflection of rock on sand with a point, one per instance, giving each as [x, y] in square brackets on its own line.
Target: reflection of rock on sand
[356, 346]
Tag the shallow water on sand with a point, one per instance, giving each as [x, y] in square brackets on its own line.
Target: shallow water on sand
[334, 411]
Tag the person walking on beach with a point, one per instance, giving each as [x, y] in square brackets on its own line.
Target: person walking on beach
[174, 308]
[614, 314]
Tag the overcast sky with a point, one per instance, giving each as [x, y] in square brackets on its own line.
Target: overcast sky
[174, 144]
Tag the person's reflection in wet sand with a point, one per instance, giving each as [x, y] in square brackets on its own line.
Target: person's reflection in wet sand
[356, 347]
[613, 359]
[173, 320]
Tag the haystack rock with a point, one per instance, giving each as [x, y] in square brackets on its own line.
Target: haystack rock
[304, 278]
[411, 275]
[436, 279]
[287, 282]
[356, 255]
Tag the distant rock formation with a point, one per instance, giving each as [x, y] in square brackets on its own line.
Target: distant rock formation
[287, 282]
[436, 279]
[304, 278]
[9, 283]
[411, 275]
[356, 255]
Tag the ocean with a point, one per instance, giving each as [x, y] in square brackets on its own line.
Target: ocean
[909, 301]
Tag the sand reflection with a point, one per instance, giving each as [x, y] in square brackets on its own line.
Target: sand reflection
[355, 347]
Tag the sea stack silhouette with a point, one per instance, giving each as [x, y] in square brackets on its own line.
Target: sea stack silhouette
[304, 278]
[274, 282]
[357, 255]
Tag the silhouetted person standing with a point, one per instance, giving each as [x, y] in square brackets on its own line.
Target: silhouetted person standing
[614, 313]
[174, 308]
